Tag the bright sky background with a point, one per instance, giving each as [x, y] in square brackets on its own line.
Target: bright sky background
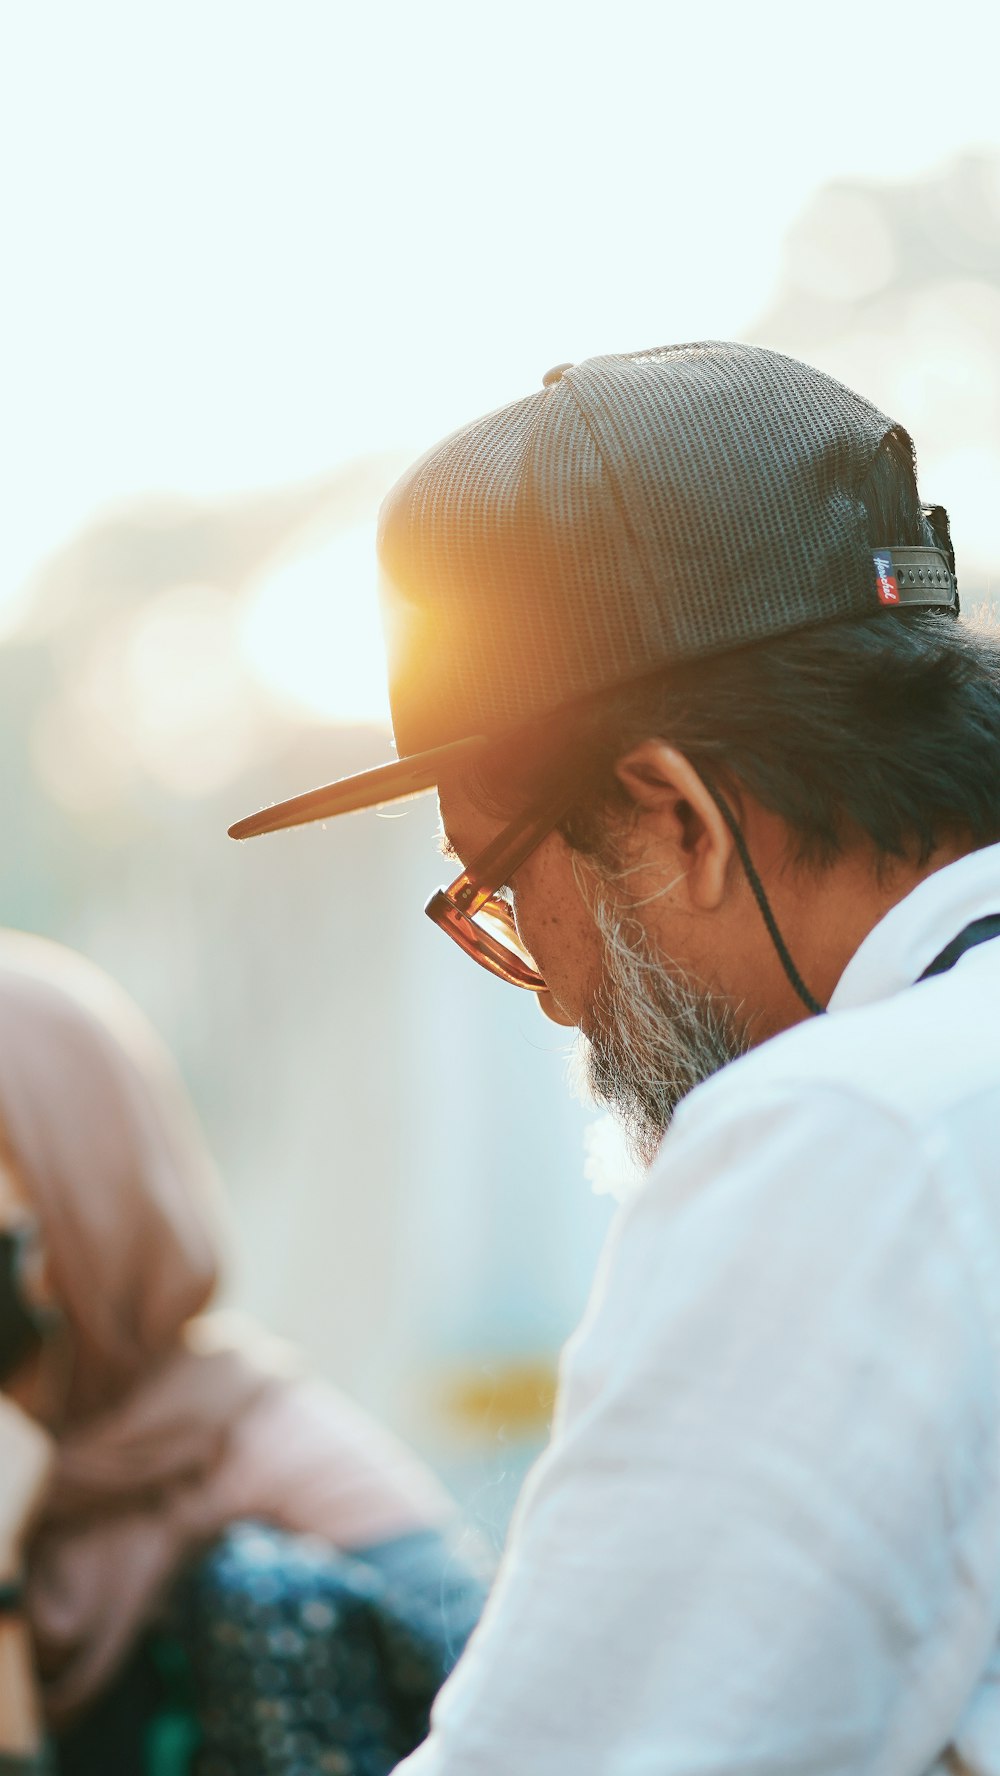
[245, 242]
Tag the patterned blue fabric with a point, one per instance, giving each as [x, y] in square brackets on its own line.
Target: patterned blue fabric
[310, 1662]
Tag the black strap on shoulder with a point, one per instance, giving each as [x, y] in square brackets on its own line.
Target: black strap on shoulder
[979, 932]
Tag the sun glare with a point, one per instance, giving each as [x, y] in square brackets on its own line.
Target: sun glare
[310, 632]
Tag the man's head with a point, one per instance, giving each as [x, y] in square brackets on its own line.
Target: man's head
[855, 755]
[689, 603]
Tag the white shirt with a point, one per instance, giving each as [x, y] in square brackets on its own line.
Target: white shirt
[766, 1533]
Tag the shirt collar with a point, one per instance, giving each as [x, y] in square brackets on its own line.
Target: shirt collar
[916, 930]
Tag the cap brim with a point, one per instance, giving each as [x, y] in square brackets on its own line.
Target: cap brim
[368, 789]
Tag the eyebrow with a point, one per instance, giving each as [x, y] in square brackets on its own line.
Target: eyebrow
[446, 847]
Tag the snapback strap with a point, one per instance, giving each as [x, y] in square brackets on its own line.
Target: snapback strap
[908, 577]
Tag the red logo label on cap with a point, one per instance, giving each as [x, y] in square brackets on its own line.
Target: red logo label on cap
[888, 590]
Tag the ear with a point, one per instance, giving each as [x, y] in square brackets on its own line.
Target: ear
[674, 806]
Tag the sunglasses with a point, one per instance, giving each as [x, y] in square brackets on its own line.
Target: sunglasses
[474, 911]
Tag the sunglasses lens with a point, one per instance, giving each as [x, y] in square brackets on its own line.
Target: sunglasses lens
[497, 921]
[490, 938]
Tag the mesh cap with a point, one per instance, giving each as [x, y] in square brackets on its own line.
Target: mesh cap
[635, 512]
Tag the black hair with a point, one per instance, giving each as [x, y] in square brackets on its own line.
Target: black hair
[886, 726]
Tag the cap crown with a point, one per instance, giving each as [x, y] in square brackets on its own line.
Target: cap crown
[642, 509]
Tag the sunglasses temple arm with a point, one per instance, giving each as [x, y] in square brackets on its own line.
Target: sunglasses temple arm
[511, 847]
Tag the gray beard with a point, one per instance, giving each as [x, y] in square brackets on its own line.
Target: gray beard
[652, 1035]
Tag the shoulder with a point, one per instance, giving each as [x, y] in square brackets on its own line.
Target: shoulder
[840, 1163]
[794, 1272]
[917, 1059]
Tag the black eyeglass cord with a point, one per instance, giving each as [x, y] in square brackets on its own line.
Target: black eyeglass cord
[757, 889]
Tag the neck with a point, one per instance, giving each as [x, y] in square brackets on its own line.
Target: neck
[824, 916]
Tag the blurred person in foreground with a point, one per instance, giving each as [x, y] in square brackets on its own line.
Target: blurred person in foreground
[679, 645]
[176, 1495]
[25, 1457]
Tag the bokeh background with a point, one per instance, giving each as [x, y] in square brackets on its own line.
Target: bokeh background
[257, 256]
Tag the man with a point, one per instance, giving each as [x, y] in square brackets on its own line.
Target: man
[680, 647]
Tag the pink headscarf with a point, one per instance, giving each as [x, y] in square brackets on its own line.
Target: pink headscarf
[175, 1423]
